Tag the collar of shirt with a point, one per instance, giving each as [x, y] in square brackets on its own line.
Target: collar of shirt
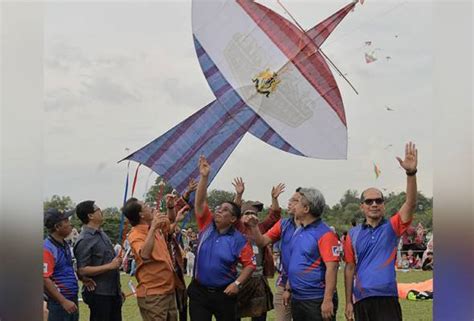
[315, 223]
[56, 243]
[90, 230]
[367, 225]
[230, 230]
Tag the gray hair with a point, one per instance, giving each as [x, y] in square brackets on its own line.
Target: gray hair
[314, 198]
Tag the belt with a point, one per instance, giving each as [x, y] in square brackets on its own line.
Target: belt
[209, 288]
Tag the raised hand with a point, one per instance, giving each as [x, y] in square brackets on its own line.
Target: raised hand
[411, 158]
[277, 190]
[181, 213]
[239, 185]
[170, 200]
[204, 167]
[250, 220]
[192, 185]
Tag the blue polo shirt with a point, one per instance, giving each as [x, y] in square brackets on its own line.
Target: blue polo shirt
[218, 254]
[373, 250]
[311, 246]
[283, 230]
[57, 265]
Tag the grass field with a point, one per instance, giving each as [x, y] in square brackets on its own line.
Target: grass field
[412, 310]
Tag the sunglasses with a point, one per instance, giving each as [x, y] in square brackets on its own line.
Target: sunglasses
[377, 201]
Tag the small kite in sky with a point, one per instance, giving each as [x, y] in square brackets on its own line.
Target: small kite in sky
[368, 43]
[377, 171]
[269, 78]
[370, 57]
[389, 109]
[388, 146]
[388, 58]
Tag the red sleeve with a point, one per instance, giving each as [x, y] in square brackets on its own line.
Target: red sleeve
[205, 219]
[329, 248]
[247, 258]
[48, 263]
[275, 232]
[349, 256]
[398, 226]
[270, 220]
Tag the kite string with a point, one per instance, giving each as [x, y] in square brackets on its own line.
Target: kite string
[318, 48]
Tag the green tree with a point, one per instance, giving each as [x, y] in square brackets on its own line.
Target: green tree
[62, 203]
[216, 197]
[111, 225]
[153, 191]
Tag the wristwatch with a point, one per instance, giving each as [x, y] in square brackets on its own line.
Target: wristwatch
[238, 283]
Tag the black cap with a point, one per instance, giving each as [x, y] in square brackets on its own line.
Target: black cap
[53, 216]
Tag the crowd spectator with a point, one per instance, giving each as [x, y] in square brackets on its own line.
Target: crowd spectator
[428, 262]
[403, 263]
[60, 283]
[372, 246]
[155, 273]
[413, 260]
[96, 259]
[221, 247]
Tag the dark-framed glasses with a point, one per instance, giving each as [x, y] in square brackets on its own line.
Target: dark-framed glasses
[370, 201]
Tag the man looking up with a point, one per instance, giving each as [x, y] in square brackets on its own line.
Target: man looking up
[312, 258]
[96, 259]
[155, 273]
[370, 251]
[215, 284]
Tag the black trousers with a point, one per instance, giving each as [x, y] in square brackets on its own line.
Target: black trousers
[105, 307]
[378, 308]
[206, 302]
[310, 310]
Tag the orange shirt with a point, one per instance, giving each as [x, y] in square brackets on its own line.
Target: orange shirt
[156, 275]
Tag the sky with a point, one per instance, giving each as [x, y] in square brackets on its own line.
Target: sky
[118, 75]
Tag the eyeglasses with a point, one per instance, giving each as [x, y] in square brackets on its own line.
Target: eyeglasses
[377, 201]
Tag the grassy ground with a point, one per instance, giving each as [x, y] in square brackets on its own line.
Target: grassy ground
[412, 310]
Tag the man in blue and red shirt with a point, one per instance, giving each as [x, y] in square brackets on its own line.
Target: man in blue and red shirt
[60, 283]
[370, 252]
[221, 247]
[310, 256]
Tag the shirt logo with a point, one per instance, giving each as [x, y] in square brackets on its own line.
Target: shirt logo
[336, 250]
[45, 267]
[254, 260]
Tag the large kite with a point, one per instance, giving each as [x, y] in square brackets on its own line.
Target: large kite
[269, 78]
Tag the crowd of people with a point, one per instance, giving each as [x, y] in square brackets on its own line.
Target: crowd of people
[232, 257]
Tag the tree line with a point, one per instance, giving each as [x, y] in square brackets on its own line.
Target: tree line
[339, 215]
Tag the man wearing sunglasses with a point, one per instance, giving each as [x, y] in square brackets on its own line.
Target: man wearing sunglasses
[370, 251]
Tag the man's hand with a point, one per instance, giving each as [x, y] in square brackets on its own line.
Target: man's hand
[88, 283]
[69, 306]
[232, 289]
[349, 312]
[411, 158]
[162, 223]
[181, 213]
[277, 190]
[204, 167]
[327, 309]
[116, 263]
[286, 296]
[250, 220]
[170, 200]
[124, 297]
[239, 185]
[192, 185]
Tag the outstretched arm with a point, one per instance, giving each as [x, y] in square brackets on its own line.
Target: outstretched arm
[201, 191]
[239, 186]
[409, 164]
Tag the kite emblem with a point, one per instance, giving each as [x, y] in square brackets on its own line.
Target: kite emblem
[266, 82]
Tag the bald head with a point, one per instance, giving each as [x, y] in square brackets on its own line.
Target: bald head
[370, 190]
